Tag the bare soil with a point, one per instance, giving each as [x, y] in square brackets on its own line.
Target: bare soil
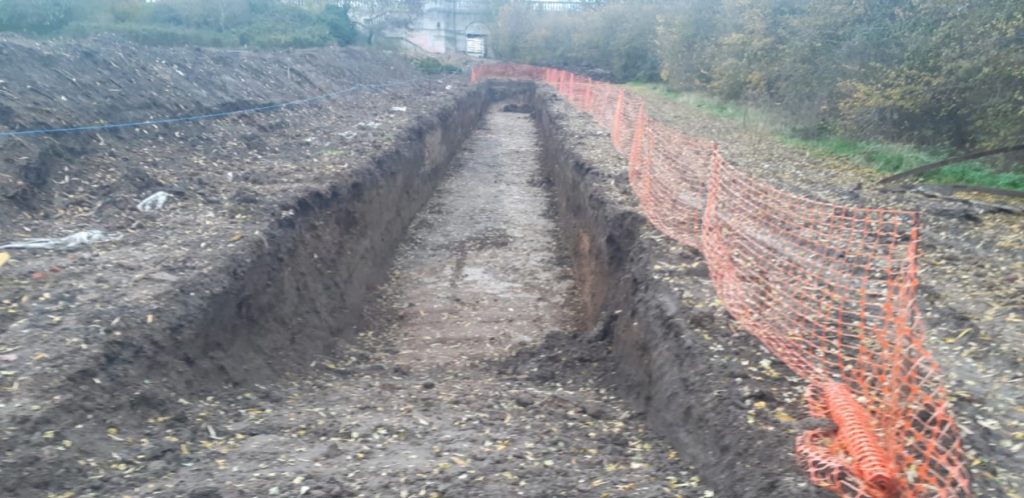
[95, 341]
[451, 392]
[532, 333]
[722, 400]
[219, 346]
[972, 281]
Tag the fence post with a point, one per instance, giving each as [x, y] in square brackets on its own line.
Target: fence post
[617, 120]
[636, 159]
[646, 143]
[711, 204]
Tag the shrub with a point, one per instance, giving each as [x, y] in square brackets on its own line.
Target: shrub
[284, 27]
[339, 25]
[34, 16]
[934, 72]
[431, 65]
[156, 34]
[256, 23]
[619, 38]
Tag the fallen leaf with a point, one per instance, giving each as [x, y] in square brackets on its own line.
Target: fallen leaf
[783, 417]
[4, 258]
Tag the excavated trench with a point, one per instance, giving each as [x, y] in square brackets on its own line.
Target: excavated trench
[491, 322]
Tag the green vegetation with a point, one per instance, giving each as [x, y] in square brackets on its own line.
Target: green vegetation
[34, 16]
[888, 158]
[217, 23]
[894, 158]
[430, 65]
[934, 72]
[618, 39]
[944, 75]
[712, 105]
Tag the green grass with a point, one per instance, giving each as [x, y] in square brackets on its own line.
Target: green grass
[894, 158]
[885, 157]
[430, 65]
[154, 34]
[981, 176]
[711, 105]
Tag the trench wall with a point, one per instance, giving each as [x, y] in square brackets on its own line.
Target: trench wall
[304, 284]
[676, 356]
[321, 265]
[277, 303]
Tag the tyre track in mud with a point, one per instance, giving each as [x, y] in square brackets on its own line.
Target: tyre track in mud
[459, 389]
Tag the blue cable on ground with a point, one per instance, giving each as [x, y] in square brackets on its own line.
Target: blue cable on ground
[200, 117]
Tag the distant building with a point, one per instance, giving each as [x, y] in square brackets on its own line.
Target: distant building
[441, 26]
[559, 5]
[462, 26]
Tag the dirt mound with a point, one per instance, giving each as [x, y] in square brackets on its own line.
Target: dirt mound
[106, 80]
[213, 288]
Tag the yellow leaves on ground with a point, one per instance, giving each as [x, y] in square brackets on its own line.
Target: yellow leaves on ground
[783, 417]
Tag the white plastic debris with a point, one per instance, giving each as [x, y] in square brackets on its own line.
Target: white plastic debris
[447, 87]
[368, 125]
[349, 135]
[73, 241]
[399, 108]
[154, 202]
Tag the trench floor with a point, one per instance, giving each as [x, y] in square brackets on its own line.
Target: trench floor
[459, 388]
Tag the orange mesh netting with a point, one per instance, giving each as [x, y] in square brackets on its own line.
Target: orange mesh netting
[829, 289]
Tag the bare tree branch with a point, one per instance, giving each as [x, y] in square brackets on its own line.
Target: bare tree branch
[946, 162]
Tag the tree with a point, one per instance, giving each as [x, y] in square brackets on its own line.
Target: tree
[377, 15]
[34, 16]
[617, 41]
[339, 24]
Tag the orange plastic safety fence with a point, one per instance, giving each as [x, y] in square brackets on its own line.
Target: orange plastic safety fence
[829, 289]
